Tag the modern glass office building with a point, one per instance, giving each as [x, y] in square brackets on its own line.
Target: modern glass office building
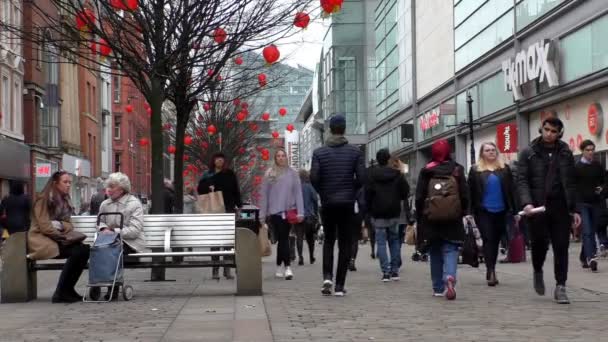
[520, 60]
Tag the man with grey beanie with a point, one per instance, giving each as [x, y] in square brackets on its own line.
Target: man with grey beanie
[337, 172]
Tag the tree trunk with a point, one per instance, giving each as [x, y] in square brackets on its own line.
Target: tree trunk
[178, 166]
[156, 135]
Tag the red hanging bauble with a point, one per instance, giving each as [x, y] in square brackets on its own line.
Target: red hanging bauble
[238, 60]
[271, 54]
[125, 5]
[149, 111]
[275, 134]
[290, 127]
[129, 108]
[244, 105]
[205, 145]
[211, 129]
[262, 80]
[144, 142]
[199, 118]
[171, 149]
[236, 101]
[241, 116]
[199, 132]
[187, 140]
[219, 35]
[85, 20]
[253, 127]
[282, 111]
[265, 157]
[104, 48]
[266, 116]
[210, 72]
[331, 6]
[206, 106]
[301, 20]
[242, 150]
[186, 158]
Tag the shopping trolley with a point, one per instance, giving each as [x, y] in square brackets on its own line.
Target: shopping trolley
[106, 265]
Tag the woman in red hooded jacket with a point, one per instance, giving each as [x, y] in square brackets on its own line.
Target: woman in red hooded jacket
[441, 236]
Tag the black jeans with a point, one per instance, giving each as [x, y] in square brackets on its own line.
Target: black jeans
[281, 230]
[306, 230]
[357, 219]
[552, 226]
[492, 227]
[371, 233]
[337, 222]
[77, 256]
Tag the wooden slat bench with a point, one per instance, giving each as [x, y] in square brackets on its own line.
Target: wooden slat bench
[164, 233]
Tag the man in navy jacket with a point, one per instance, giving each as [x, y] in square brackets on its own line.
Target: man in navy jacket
[337, 173]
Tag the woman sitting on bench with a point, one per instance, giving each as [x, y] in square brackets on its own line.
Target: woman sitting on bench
[48, 236]
[120, 199]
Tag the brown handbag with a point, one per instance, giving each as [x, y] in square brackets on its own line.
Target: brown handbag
[72, 237]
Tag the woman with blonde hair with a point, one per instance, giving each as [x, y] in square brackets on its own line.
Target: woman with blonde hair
[492, 192]
[282, 205]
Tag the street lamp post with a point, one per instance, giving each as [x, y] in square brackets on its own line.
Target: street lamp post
[471, 126]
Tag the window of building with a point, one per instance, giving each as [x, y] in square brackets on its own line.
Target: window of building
[17, 110]
[527, 11]
[117, 86]
[88, 99]
[464, 9]
[49, 123]
[117, 128]
[486, 40]
[117, 162]
[585, 51]
[94, 102]
[6, 104]
[16, 23]
[493, 96]
[479, 20]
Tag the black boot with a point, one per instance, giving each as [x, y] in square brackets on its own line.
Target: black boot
[351, 266]
[215, 273]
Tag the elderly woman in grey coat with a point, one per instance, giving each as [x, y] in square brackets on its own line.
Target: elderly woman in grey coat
[120, 199]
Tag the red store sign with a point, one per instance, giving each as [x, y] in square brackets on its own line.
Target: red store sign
[506, 138]
[429, 120]
[595, 119]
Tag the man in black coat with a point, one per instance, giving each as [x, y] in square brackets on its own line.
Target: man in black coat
[337, 172]
[546, 177]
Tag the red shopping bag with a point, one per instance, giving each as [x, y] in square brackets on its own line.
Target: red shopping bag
[517, 247]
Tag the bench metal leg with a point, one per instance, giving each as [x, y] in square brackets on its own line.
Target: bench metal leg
[157, 273]
[18, 282]
[248, 263]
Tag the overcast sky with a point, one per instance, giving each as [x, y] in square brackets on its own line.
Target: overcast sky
[305, 46]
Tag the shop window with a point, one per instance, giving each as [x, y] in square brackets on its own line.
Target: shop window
[462, 114]
[527, 11]
[585, 51]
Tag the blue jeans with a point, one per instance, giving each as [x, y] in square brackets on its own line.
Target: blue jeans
[391, 235]
[589, 216]
[444, 262]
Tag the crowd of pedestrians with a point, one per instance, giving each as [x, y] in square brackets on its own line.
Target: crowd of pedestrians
[548, 192]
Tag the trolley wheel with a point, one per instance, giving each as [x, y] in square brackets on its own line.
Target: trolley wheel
[127, 292]
[95, 293]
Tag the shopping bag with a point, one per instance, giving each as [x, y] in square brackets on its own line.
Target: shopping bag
[265, 248]
[105, 260]
[470, 250]
[211, 203]
[517, 247]
[410, 235]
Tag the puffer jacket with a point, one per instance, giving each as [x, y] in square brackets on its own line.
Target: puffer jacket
[337, 172]
[532, 173]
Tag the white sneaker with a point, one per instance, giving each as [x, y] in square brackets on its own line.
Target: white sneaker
[279, 273]
[288, 273]
[438, 294]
